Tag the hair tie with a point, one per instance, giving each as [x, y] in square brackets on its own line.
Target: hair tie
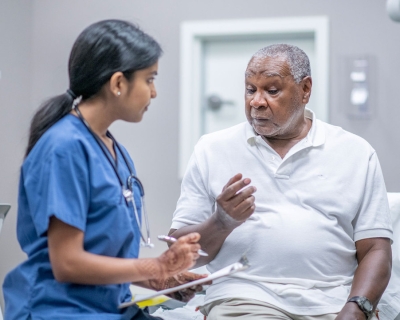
[72, 94]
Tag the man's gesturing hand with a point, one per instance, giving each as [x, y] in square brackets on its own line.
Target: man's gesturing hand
[236, 203]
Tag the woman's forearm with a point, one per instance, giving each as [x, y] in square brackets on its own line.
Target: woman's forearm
[70, 262]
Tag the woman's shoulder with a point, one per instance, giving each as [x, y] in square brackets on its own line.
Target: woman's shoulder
[66, 136]
[69, 129]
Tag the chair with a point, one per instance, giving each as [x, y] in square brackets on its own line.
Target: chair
[389, 305]
[4, 207]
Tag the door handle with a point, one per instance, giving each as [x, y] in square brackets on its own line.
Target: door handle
[215, 102]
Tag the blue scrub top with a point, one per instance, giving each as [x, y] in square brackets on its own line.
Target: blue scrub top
[66, 175]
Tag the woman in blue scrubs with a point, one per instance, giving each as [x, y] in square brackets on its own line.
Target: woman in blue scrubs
[79, 198]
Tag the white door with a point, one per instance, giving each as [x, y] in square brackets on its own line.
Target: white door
[224, 67]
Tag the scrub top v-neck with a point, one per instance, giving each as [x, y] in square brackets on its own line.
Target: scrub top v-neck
[66, 175]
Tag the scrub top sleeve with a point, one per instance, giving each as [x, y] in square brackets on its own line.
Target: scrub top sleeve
[373, 218]
[59, 188]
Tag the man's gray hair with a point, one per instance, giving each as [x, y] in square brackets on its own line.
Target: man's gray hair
[296, 58]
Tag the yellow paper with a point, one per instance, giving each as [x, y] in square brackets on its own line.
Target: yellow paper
[153, 301]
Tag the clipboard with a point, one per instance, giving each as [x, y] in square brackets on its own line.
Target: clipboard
[241, 265]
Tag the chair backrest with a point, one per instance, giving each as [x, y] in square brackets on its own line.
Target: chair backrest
[390, 301]
[4, 207]
[394, 204]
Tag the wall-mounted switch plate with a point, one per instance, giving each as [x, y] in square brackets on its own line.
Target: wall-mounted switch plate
[359, 89]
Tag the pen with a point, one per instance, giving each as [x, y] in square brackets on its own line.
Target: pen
[169, 239]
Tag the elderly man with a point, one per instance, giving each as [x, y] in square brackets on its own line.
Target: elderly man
[317, 231]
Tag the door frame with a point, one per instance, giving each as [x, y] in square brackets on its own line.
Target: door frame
[192, 38]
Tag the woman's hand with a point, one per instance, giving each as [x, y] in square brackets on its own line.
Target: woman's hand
[183, 295]
[181, 256]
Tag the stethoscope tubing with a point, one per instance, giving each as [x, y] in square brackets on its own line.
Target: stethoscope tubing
[127, 197]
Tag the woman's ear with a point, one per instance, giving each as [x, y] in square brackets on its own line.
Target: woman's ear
[306, 85]
[117, 83]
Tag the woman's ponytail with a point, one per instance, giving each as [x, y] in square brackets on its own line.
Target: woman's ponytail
[48, 114]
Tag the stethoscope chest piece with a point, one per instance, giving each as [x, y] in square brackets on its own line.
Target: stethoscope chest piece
[128, 195]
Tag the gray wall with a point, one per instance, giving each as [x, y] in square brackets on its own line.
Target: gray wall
[15, 112]
[356, 27]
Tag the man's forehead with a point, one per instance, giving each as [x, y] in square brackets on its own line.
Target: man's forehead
[268, 67]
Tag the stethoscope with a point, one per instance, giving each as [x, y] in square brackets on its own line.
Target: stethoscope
[127, 192]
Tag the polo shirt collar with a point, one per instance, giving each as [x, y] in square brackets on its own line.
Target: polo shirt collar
[316, 135]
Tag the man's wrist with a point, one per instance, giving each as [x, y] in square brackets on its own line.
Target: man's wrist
[363, 304]
[225, 221]
[352, 309]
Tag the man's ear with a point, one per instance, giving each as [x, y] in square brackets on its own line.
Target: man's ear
[306, 85]
[117, 83]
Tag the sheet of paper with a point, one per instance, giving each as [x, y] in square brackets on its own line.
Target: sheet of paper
[231, 269]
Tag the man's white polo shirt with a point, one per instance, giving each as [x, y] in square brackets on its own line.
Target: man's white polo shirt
[311, 207]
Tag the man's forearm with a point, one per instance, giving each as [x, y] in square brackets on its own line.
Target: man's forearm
[372, 275]
[213, 234]
[374, 269]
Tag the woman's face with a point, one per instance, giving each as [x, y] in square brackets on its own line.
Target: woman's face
[141, 90]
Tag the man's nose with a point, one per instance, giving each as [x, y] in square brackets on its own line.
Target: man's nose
[258, 100]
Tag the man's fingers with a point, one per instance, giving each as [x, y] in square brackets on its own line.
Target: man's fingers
[248, 212]
[232, 180]
[244, 210]
[199, 288]
[243, 195]
[233, 189]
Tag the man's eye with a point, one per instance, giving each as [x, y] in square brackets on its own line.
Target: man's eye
[250, 90]
[273, 91]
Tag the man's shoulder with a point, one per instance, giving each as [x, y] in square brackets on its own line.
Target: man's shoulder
[336, 135]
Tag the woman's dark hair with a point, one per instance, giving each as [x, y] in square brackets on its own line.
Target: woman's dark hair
[101, 49]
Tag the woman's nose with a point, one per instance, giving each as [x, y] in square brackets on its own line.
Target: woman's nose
[153, 92]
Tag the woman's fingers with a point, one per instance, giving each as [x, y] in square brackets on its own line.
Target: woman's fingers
[182, 278]
[181, 255]
[190, 238]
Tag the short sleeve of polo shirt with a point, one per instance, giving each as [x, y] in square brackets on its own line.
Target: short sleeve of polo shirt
[58, 185]
[195, 204]
[373, 218]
